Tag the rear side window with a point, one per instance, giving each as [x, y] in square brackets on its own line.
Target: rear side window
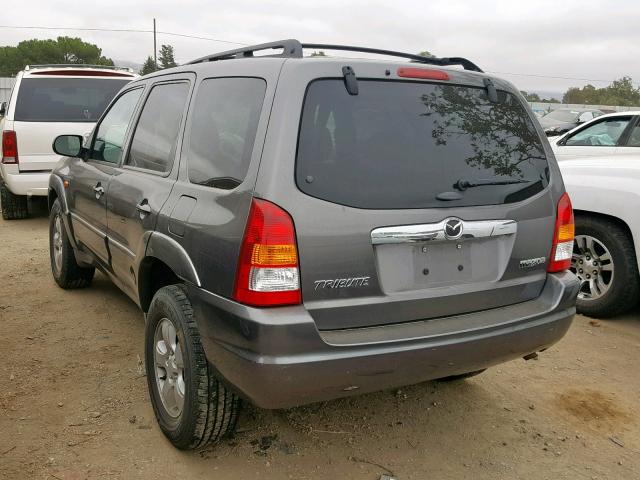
[223, 130]
[153, 146]
[402, 145]
[65, 99]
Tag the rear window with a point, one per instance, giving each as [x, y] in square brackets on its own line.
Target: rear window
[402, 145]
[65, 99]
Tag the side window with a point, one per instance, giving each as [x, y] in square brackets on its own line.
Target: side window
[223, 130]
[605, 133]
[153, 146]
[634, 138]
[109, 138]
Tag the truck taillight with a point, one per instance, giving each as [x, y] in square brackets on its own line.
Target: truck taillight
[9, 147]
[564, 232]
[268, 273]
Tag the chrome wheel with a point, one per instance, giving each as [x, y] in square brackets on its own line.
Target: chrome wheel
[57, 243]
[593, 265]
[169, 367]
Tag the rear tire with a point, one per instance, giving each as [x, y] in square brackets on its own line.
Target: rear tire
[64, 268]
[462, 376]
[615, 288]
[193, 407]
[14, 207]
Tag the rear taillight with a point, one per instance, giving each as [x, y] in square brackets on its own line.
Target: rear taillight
[562, 248]
[268, 272]
[9, 147]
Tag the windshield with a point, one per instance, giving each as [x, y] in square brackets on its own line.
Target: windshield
[406, 144]
[65, 99]
[563, 115]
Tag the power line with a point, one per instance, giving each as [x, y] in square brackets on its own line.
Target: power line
[211, 39]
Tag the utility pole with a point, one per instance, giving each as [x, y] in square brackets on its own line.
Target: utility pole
[155, 50]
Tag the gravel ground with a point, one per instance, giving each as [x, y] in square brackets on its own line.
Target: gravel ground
[73, 402]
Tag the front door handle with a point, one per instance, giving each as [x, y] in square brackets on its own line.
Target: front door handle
[98, 190]
[143, 208]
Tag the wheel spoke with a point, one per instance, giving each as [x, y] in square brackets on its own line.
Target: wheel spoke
[178, 390]
[161, 354]
[168, 394]
[605, 257]
[607, 267]
[179, 359]
[169, 335]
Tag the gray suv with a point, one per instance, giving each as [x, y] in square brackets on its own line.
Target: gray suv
[298, 229]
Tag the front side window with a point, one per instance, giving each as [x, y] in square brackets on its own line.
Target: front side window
[109, 138]
[605, 133]
[153, 145]
[634, 138]
[65, 99]
[223, 130]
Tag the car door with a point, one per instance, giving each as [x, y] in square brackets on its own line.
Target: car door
[600, 137]
[89, 177]
[141, 185]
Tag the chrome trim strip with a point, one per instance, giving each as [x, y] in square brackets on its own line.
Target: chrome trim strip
[88, 225]
[120, 246]
[435, 232]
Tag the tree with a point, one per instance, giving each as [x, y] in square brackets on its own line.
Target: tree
[60, 50]
[621, 92]
[427, 54]
[148, 66]
[166, 58]
[530, 97]
[318, 53]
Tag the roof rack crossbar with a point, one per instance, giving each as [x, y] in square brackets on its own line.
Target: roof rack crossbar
[293, 49]
[77, 65]
[290, 49]
[443, 62]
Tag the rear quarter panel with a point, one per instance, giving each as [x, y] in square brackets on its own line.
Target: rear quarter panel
[608, 186]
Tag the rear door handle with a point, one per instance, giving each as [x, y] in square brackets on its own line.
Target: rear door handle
[98, 190]
[143, 208]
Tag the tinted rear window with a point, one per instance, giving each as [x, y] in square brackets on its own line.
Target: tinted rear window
[401, 144]
[65, 99]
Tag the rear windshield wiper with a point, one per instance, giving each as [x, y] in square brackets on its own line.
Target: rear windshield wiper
[462, 184]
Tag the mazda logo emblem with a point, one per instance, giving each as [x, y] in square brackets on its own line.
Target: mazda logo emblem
[453, 228]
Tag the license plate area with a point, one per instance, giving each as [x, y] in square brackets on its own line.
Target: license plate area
[420, 265]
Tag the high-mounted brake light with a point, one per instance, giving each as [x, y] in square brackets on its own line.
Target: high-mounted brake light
[9, 147]
[563, 235]
[83, 73]
[268, 273]
[424, 73]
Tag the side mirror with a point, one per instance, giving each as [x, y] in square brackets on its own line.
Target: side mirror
[3, 109]
[68, 145]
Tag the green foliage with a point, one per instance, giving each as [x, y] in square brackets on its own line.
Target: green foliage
[427, 54]
[621, 92]
[166, 57]
[534, 97]
[319, 53]
[148, 66]
[61, 50]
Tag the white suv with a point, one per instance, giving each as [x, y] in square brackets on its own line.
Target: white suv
[46, 101]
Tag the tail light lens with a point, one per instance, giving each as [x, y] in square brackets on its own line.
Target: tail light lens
[268, 273]
[9, 147]
[562, 248]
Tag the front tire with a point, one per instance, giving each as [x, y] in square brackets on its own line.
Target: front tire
[192, 406]
[64, 268]
[604, 259]
[14, 207]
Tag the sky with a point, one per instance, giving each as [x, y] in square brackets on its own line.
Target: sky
[585, 41]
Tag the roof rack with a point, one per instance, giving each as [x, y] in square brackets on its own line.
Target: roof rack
[292, 48]
[77, 65]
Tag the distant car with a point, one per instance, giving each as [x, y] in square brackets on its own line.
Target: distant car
[48, 100]
[562, 120]
[612, 134]
[540, 112]
[605, 193]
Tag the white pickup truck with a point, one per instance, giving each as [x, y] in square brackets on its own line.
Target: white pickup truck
[46, 101]
[605, 192]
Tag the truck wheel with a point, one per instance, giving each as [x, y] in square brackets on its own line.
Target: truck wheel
[461, 376]
[66, 271]
[14, 207]
[193, 407]
[604, 259]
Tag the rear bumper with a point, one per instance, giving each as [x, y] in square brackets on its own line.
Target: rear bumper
[277, 358]
[25, 183]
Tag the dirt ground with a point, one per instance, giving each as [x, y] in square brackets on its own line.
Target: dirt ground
[73, 402]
